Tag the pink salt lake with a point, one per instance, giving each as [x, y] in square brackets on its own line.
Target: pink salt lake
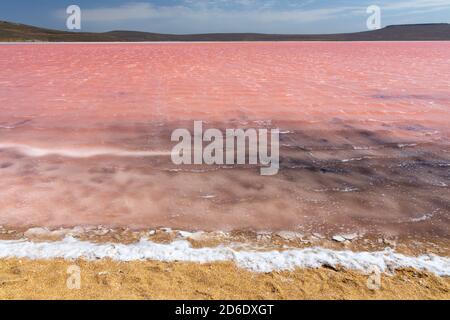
[365, 143]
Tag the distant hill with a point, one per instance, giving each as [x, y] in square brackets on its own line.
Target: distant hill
[14, 32]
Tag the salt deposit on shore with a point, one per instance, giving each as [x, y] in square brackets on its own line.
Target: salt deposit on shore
[181, 250]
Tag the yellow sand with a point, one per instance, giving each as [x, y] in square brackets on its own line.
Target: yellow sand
[105, 279]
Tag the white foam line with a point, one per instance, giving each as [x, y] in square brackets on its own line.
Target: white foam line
[257, 261]
[80, 152]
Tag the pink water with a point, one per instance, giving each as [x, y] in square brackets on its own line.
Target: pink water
[365, 144]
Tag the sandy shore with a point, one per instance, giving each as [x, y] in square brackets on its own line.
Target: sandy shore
[23, 278]
[105, 279]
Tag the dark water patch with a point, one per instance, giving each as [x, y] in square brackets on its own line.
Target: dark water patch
[292, 163]
[14, 125]
[405, 96]
[365, 171]
[102, 170]
[365, 133]
[98, 180]
[436, 164]
[250, 185]
[331, 170]
[414, 127]
[17, 156]
[5, 165]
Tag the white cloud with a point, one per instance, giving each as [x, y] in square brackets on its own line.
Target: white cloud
[129, 11]
[134, 11]
[198, 16]
[416, 4]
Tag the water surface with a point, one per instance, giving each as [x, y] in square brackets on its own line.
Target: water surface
[85, 132]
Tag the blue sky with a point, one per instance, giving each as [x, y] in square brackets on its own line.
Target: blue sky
[203, 16]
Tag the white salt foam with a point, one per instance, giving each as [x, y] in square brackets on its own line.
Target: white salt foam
[80, 152]
[257, 261]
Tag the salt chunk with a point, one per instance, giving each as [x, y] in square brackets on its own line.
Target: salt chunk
[289, 235]
[338, 238]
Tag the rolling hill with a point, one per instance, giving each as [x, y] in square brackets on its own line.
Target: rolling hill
[15, 32]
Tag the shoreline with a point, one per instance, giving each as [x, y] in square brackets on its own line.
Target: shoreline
[355, 240]
[254, 251]
[320, 275]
